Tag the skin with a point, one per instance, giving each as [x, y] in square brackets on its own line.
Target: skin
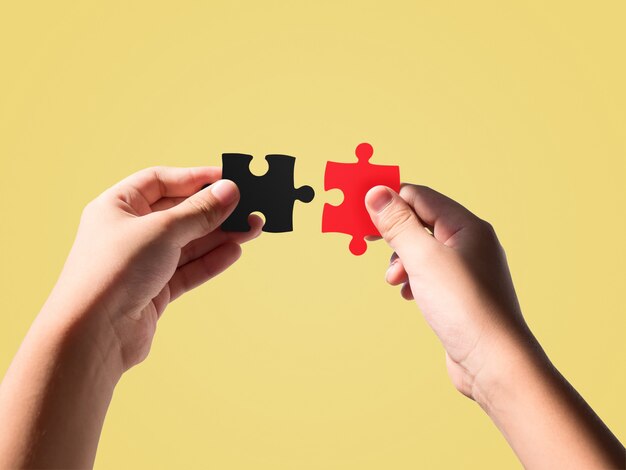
[140, 245]
[451, 263]
[154, 236]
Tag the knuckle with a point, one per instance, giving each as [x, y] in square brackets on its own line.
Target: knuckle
[487, 228]
[487, 232]
[149, 172]
[412, 193]
[419, 189]
[85, 215]
[89, 207]
[92, 207]
[407, 191]
[153, 170]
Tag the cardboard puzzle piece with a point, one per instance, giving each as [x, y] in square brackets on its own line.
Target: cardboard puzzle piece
[272, 194]
[354, 180]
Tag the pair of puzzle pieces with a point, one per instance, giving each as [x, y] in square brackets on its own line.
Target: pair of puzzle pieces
[274, 194]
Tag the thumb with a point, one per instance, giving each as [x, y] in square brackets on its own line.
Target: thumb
[396, 221]
[201, 213]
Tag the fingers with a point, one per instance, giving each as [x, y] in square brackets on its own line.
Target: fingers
[202, 269]
[402, 220]
[201, 213]
[396, 274]
[396, 221]
[201, 246]
[159, 182]
[161, 301]
[166, 203]
[444, 215]
[406, 292]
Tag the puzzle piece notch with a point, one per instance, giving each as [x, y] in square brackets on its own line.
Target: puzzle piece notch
[355, 180]
[273, 194]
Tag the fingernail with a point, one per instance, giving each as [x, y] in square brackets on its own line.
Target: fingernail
[391, 265]
[379, 199]
[225, 191]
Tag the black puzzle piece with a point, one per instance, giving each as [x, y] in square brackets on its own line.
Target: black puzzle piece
[272, 194]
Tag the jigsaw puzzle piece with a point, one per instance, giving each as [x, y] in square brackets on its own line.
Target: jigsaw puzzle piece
[355, 180]
[273, 194]
[281, 194]
[236, 167]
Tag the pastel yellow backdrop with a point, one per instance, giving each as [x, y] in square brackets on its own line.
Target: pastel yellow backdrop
[301, 356]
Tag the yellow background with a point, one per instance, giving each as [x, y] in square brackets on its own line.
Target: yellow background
[301, 356]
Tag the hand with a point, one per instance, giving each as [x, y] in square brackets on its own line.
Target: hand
[453, 265]
[143, 243]
[457, 273]
[140, 244]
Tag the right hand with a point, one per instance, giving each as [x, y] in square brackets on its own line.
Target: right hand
[140, 245]
[453, 265]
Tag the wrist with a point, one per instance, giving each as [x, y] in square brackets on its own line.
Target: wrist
[84, 339]
[61, 380]
[512, 362]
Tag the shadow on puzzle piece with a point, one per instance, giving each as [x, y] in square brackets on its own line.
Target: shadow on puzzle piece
[354, 180]
[272, 194]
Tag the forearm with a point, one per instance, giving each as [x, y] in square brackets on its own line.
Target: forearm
[55, 394]
[546, 422]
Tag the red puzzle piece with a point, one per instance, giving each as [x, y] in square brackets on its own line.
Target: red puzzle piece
[354, 180]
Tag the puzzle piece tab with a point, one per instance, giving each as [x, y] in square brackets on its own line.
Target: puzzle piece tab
[354, 180]
[272, 194]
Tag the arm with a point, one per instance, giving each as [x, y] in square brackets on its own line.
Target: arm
[452, 264]
[140, 245]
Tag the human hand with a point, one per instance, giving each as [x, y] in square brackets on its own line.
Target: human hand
[140, 245]
[453, 265]
[457, 273]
